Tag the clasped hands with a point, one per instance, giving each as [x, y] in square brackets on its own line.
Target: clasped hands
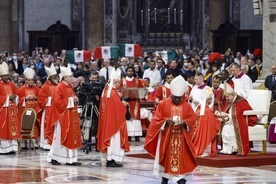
[176, 120]
[170, 121]
[12, 97]
[31, 97]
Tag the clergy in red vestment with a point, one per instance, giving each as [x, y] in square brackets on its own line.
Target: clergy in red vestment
[134, 127]
[235, 138]
[9, 124]
[147, 112]
[220, 101]
[168, 138]
[163, 92]
[207, 127]
[64, 122]
[190, 82]
[112, 131]
[45, 96]
[28, 99]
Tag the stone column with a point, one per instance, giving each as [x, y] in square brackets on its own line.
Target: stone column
[6, 25]
[219, 14]
[94, 24]
[269, 39]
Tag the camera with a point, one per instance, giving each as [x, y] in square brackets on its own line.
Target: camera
[89, 90]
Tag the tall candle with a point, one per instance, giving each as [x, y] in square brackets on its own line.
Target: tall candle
[174, 16]
[169, 16]
[181, 17]
[142, 17]
[148, 16]
[155, 15]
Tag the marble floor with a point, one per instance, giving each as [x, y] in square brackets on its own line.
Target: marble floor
[30, 167]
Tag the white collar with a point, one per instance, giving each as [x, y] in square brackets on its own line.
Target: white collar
[167, 85]
[129, 79]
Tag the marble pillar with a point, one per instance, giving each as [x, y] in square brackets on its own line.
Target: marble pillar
[6, 25]
[94, 26]
[269, 39]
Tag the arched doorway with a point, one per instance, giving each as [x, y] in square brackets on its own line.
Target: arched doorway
[57, 37]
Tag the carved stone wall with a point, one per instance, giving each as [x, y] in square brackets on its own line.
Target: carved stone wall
[94, 27]
[6, 25]
[219, 12]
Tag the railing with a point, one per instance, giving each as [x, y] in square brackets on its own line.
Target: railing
[162, 39]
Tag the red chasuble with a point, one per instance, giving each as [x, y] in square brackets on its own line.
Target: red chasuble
[47, 90]
[68, 118]
[177, 154]
[134, 104]
[23, 92]
[111, 120]
[9, 124]
[220, 101]
[162, 93]
[240, 125]
[206, 130]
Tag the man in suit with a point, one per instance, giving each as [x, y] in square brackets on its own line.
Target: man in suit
[106, 70]
[123, 67]
[270, 82]
[41, 72]
[253, 72]
[16, 63]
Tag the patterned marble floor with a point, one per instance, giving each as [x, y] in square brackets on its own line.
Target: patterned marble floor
[30, 167]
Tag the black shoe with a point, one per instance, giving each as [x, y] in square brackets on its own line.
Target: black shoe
[233, 153]
[74, 164]
[112, 163]
[137, 139]
[54, 162]
[9, 153]
[164, 180]
[181, 181]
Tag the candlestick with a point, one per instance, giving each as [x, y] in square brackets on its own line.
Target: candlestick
[142, 17]
[155, 15]
[169, 15]
[174, 16]
[181, 17]
[148, 16]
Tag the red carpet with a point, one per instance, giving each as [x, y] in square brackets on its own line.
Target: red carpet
[227, 160]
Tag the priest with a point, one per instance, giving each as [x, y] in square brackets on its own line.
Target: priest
[45, 96]
[235, 137]
[9, 124]
[65, 122]
[168, 138]
[112, 131]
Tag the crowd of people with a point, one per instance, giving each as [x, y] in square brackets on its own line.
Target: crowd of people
[196, 96]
